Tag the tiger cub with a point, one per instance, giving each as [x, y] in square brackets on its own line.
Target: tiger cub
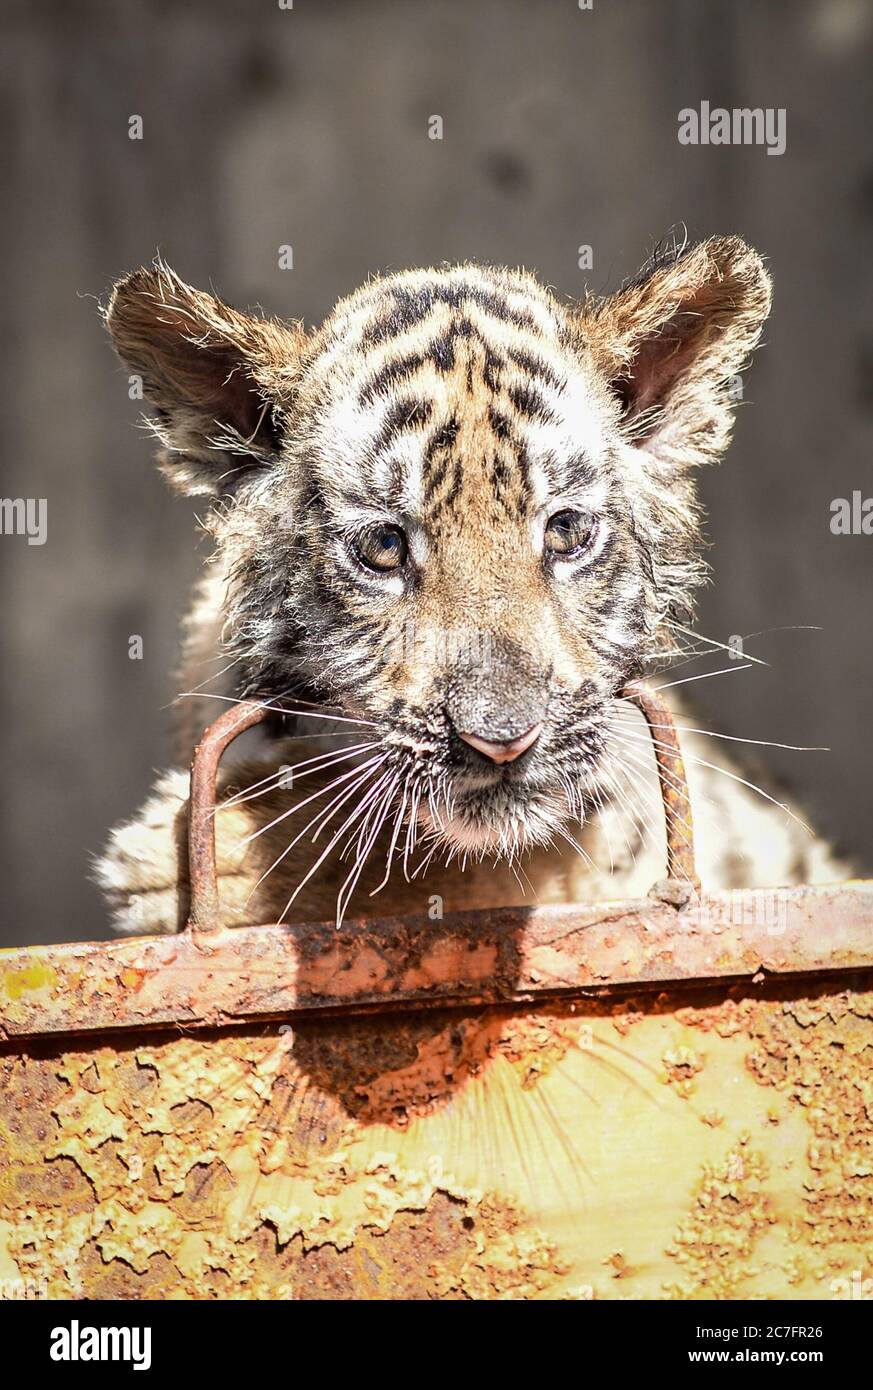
[449, 526]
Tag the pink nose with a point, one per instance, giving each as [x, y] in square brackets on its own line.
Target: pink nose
[504, 752]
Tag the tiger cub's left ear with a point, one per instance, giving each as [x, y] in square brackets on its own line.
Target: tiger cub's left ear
[672, 342]
[218, 379]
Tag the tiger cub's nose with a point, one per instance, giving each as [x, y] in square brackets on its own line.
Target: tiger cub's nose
[503, 752]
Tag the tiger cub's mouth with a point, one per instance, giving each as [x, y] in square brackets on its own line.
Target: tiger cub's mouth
[498, 820]
[500, 810]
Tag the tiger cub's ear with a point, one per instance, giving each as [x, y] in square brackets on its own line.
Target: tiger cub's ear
[218, 379]
[672, 341]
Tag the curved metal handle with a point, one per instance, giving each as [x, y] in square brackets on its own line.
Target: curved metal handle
[679, 823]
[202, 875]
[203, 915]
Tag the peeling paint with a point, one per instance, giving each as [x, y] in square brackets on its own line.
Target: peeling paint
[588, 1150]
[15, 983]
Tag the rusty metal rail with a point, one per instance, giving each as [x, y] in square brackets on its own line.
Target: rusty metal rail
[208, 976]
[246, 974]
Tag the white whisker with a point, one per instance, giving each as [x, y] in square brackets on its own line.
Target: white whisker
[734, 777]
[320, 791]
[326, 851]
[761, 742]
[324, 812]
[278, 709]
[315, 764]
[347, 890]
[705, 676]
[394, 837]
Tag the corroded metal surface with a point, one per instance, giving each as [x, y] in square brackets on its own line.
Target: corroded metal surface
[512, 955]
[660, 1148]
[664, 1098]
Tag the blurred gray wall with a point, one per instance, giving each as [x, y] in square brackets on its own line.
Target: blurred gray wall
[308, 127]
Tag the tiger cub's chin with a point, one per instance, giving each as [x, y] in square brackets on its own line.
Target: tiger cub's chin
[505, 830]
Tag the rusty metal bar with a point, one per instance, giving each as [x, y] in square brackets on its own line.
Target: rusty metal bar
[203, 916]
[510, 956]
[678, 820]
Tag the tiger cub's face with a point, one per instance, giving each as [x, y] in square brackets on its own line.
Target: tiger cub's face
[461, 510]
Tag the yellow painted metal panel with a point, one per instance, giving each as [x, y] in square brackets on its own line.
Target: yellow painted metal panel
[673, 1145]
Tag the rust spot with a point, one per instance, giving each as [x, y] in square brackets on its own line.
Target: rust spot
[714, 1246]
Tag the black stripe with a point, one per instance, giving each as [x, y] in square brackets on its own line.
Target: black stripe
[443, 438]
[410, 307]
[499, 423]
[440, 442]
[441, 353]
[405, 414]
[501, 477]
[457, 483]
[580, 471]
[528, 401]
[436, 477]
[390, 374]
[491, 369]
[536, 367]
[391, 326]
[521, 455]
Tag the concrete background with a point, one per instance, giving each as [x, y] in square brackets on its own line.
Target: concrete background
[264, 127]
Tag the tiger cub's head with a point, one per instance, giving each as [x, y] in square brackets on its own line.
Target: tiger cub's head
[461, 510]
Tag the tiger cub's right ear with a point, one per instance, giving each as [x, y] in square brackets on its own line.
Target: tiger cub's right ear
[218, 379]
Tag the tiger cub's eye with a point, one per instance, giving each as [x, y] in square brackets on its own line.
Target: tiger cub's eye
[568, 533]
[382, 547]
